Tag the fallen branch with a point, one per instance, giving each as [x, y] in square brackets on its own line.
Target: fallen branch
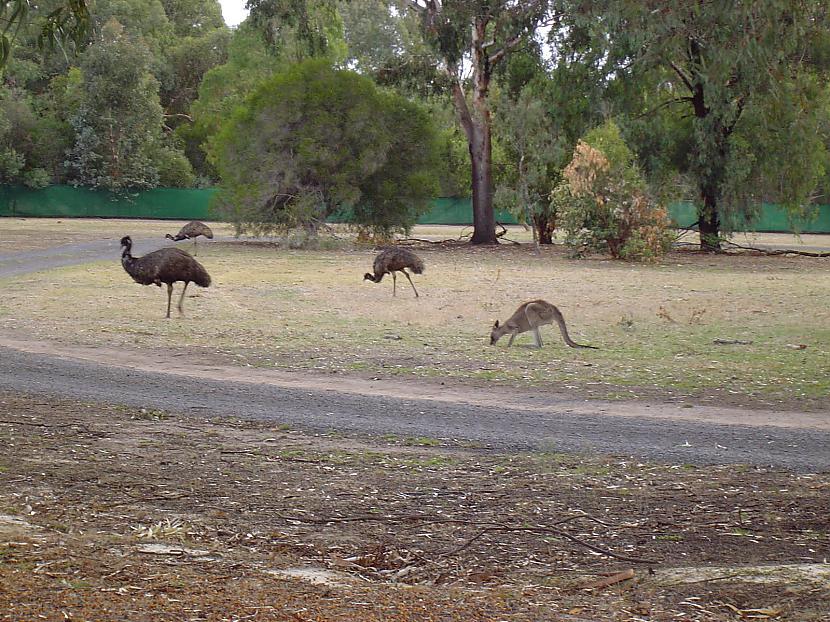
[556, 532]
[619, 577]
[489, 527]
[780, 251]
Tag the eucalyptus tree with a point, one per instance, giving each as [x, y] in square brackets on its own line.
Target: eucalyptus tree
[299, 29]
[477, 35]
[119, 118]
[58, 22]
[194, 18]
[745, 75]
[533, 147]
[223, 88]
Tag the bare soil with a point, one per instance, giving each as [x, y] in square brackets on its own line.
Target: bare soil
[111, 513]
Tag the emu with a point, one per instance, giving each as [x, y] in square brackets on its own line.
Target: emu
[166, 265]
[191, 231]
[394, 260]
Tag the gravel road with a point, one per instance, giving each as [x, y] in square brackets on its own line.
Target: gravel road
[590, 428]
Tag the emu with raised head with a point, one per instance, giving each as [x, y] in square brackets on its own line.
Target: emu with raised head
[166, 265]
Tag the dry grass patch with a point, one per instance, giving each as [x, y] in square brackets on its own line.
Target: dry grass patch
[655, 324]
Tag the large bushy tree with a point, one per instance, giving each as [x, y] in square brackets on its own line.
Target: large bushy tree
[745, 74]
[533, 148]
[118, 122]
[314, 140]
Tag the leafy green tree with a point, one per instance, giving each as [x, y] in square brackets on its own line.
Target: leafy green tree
[187, 63]
[532, 145]
[118, 123]
[174, 169]
[479, 35]
[313, 140]
[63, 21]
[223, 88]
[745, 75]
[300, 29]
[146, 18]
[24, 150]
[194, 18]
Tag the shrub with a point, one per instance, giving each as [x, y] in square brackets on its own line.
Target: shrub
[603, 204]
[174, 168]
[36, 178]
[314, 141]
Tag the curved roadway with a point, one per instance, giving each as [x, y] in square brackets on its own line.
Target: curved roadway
[487, 419]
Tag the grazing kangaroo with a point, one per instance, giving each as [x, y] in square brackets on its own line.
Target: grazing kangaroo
[530, 316]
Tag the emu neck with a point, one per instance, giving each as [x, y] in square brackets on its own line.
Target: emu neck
[127, 259]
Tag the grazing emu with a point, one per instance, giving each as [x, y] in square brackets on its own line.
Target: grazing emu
[394, 260]
[166, 265]
[191, 231]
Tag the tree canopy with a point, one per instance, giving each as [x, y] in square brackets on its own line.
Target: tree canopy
[723, 104]
[736, 70]
[313, 140]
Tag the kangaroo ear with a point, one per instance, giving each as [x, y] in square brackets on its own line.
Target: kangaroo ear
[496, 325]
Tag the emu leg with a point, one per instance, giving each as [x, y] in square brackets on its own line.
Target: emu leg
[169, 295]
[394, 282]
[411, 283]
[181, 298]
[195, 250]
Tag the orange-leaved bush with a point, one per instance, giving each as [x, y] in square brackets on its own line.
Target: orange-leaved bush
[603, 204]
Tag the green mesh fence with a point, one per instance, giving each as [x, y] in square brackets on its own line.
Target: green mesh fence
[458, 211]
[71, 202]
[194, 204]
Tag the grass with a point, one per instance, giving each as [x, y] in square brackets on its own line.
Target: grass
[289, 309]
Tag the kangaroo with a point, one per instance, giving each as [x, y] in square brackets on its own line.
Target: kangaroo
[530, 316]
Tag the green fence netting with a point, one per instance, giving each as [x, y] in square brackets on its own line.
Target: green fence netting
[194, 204]
[71, 202]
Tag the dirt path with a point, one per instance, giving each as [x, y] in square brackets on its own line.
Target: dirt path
[485, 419]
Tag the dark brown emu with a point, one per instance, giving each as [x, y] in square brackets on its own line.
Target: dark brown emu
[394, 260]
[191, 231]
[166, 265]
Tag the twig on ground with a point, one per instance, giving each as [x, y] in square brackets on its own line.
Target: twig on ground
[490, 527]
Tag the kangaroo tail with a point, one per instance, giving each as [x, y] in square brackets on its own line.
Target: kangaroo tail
[557, 315]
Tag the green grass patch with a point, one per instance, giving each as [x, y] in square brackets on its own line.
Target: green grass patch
[656, 325]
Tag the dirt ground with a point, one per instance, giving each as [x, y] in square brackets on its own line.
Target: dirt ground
[110, 513]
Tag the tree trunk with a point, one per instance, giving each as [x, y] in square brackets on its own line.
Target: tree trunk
[544, 227]
[709, 221]
[484, 218]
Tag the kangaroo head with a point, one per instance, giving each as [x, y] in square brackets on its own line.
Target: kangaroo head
[497, 333]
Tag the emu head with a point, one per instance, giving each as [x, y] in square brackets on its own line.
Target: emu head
[497, 333]
[127, 241]
[169, 237]
[369, 277]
